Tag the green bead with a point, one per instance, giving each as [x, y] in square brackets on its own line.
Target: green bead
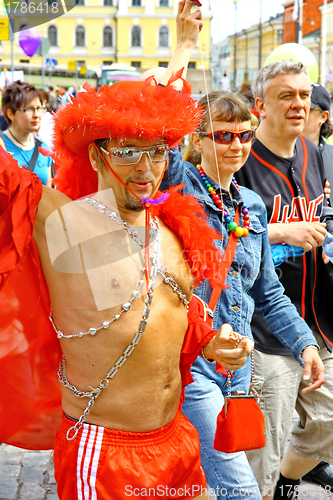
[208, 185]
[232, 226]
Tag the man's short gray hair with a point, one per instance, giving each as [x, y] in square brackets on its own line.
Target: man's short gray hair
[267, 73]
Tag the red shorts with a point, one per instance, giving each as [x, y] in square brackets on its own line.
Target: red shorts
[105, 464]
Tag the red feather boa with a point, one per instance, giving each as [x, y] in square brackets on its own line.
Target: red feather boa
[187, 219]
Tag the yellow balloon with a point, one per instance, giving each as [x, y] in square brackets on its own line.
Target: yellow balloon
[296, 52]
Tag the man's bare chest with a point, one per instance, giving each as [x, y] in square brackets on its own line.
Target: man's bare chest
[96, 263]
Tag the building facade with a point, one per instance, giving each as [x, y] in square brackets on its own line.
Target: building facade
[312, 36]
[249, 49]
[220, 65]
[140, 33]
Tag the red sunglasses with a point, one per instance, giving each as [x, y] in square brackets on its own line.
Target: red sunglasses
[227, 137]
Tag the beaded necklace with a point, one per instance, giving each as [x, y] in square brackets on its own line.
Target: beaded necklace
[232, 226]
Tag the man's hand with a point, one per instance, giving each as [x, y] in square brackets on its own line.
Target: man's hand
[307, 235]
[188, 25]
[313, 369]
[228, 348]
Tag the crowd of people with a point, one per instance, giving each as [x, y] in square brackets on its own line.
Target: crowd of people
[141, 278]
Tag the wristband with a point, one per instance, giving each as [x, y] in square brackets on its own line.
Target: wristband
[204, 357]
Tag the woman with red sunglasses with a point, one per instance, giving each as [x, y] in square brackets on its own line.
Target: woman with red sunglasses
[214, 154]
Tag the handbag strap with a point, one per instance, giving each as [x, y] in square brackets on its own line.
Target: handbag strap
[33, 159]
[228, 257]
[252, 389]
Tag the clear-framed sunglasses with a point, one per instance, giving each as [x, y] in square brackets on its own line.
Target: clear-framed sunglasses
[128, 155]
[31, 111]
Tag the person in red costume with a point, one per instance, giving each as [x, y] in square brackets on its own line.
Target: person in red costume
[100, 290]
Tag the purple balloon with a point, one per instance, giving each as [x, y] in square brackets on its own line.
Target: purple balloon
[29, 40]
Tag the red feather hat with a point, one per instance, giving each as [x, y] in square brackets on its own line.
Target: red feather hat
[125, 109]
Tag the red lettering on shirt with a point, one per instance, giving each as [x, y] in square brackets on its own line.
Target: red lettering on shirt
[297, 211]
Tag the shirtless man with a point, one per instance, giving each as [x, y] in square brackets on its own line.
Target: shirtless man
[122, 373]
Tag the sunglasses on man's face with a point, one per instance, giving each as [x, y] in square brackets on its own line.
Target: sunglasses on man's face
[129, 155]
[227, 137]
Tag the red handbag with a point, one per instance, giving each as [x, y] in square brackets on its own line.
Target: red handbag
[241, 424]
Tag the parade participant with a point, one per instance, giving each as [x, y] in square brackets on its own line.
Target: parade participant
[111, 265]
[23, 108]
[320, 127]
[216, 151]
[286, 170]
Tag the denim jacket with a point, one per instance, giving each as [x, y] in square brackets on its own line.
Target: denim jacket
[251, 279]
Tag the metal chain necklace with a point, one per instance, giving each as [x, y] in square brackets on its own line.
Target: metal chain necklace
[95, 392]
[116, 218]
[170, 280]
[135, 236]
[155, 268]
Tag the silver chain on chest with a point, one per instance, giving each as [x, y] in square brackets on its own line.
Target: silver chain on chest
[155, 268]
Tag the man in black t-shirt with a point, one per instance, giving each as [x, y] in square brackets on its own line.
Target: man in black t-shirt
[287, 171]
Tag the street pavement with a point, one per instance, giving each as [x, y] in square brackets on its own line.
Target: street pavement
[26, 475]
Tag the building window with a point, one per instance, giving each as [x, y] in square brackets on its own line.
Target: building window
[162, 64]
[280, 36]
[109, 3]
[191, 65]
[136, 37]
[136, 3]
[52, 34]
[164, 3]
[163, 37]
[80, 37]
[107, 37]
[136, 64]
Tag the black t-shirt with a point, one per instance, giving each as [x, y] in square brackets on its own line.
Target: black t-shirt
[292, 190]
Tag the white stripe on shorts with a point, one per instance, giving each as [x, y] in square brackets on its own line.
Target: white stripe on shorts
[86, 482]
[94, 466]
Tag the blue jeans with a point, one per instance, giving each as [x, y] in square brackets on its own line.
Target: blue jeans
[229, 475]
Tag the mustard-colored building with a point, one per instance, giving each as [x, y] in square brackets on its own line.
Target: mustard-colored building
[246, 45]
[140, 33]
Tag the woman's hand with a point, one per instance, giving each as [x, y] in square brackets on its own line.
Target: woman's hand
[189, 24]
